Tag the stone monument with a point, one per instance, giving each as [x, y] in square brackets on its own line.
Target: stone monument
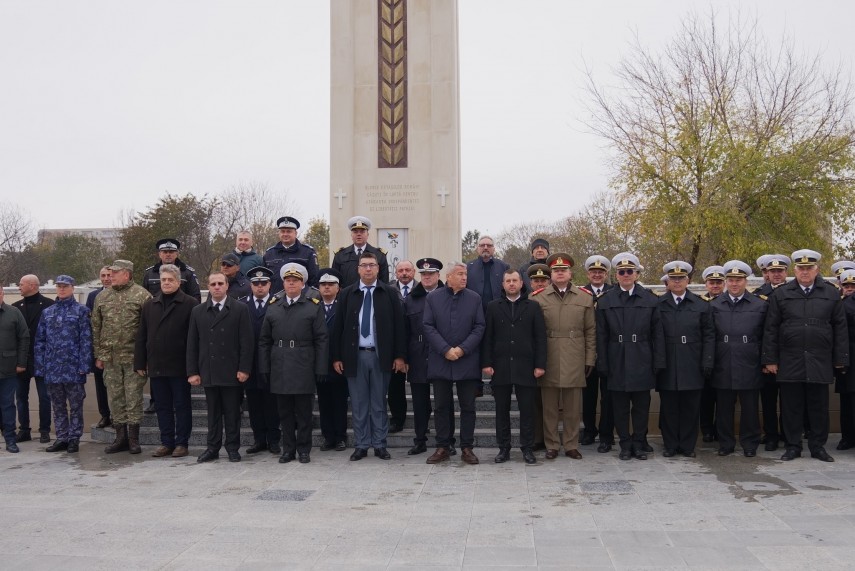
[394, 125]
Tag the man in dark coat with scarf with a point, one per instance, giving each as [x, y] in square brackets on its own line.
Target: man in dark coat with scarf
[630, 351]
[417, 352]
[738, 317]
[261, 405]
[805, 339]
[689, 350]
[292, 350]
[454, 326]
[513, 354]
[161, 355]
[220, 349]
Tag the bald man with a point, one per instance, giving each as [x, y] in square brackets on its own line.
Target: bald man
[32, 305]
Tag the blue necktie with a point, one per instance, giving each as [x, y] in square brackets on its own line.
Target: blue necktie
[366, 312]
[406, 290]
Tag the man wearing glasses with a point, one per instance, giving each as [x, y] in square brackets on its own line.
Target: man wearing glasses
[630, 351]
[369, 343]
[484, 275]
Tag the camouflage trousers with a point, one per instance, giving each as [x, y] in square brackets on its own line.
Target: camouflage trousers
[66, 400]
[125, 392]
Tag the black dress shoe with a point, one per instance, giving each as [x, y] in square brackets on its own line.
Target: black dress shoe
[528, 456]
[503, 456]
[23, 435]
[304, 457]
[207, 456]
[57, 446]
[452, 451]
[150, 408]
[604, 447]
[286, 457]
[625, 455]
[395, 427]
[640, 454]
[104, 422]
[256, 448]
[587, 439]
[646, 447]
[538, 446]
[73, 446]
[358, 454]
[274, 449]
[771, 446]
[669, 452]
[725, 451]
[382, 453]
[340, 446]
[708, 438]
[844, 445]
[689, 454]
[821, 454]
[44, 438]
[750, 453]
[234, 456]
[12, 447]
[327, 446]
[791, 454]
[417, 449]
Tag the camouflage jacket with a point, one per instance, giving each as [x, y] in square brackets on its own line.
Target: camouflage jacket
[115, 321]
[63, 352]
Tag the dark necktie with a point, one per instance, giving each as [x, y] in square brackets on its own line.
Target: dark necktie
[807, 291]
[406, 290]
[597, 292]
[358, 252]
[678, 300]
[290, 301]
[260, 303]
[366, 312]
[217, 306]
[327, 307]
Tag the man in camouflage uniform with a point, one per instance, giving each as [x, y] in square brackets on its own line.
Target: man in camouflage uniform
[63, 357]
[115, 321]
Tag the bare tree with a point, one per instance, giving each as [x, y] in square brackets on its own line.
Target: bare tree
[725, 146]
[251, 206]
[16, 234]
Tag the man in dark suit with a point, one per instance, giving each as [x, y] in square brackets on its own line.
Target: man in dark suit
[332, 391]
[417, 352]
[513, 354]
[368, 345]
[484, 275]
[346, 258]
[32, 305]
[220, 348]
[106, 277]
[597, 268]
[404, 283]
[454, 327]
[263, 412]
[805, 339]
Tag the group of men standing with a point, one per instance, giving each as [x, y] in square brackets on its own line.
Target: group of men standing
[277, 329]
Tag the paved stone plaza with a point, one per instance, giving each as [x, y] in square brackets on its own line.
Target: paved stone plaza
[90, 511]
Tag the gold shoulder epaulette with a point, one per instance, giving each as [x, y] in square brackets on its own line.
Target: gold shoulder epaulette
[314, 299]
[340, 249]
[763, 297]
[383, 250]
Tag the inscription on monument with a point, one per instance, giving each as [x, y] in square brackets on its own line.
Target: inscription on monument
[392, 197]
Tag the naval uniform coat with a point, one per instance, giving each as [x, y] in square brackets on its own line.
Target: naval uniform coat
[845, 380]
[256, 380]
[571, 336]
[346, 261]
[739, 337]
[417, 344]
[630, 339]
[293, 346]
[514, 341]
[689, 342]
[220, 343]
[389, 336]
[806, 336]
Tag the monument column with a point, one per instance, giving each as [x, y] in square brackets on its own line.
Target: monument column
[394, 125]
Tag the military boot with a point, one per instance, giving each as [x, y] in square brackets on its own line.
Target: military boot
[23, 435]
[134, 439]
[120, 444]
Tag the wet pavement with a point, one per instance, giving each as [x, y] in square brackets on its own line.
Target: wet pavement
[93, 511]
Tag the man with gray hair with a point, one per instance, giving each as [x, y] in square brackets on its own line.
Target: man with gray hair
[484, 275]
[244, 250]
[31, 306]
[115, 322]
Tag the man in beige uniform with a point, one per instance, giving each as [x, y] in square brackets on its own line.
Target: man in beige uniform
[570, 354]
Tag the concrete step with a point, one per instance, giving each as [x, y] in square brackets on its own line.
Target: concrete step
[483, 419]
[150, 436]
[485, 403]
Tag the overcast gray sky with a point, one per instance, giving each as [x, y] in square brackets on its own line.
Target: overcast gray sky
[106, 105]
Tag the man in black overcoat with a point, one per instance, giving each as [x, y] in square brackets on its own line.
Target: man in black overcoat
[689, 351]
[220, 348]
[805, 339]
[332, 391]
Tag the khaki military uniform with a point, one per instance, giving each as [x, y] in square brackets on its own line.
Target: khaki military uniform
[115, 322]
[570, 346]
